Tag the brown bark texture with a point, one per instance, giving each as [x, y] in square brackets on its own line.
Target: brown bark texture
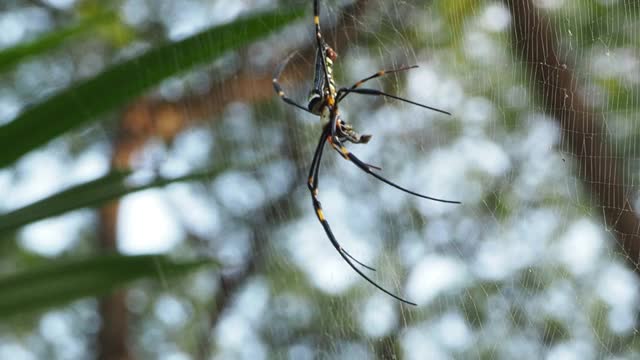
[583, 131]
[112, 338]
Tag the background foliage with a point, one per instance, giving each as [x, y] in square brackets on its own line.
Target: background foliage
[98, 101]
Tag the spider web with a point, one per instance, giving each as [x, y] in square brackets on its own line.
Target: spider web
[537, 262]
[530, 265]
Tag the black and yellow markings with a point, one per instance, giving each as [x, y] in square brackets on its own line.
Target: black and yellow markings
[340, 148]
[329, 64]
[278, 88]
[344, 151]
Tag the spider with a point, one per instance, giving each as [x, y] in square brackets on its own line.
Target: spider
[323, 101]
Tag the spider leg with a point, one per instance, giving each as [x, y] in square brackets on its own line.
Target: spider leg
[276, 85]
[313, 182]
[374, 167]
[339, 147]
[374, 76]
[334, 242]
[316, 22]
[342, 93]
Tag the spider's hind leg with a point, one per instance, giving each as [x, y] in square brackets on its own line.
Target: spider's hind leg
[347, 155]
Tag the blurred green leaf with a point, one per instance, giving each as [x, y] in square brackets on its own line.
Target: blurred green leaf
[89, 194]
[115, 33]
[455, 14]
[122, 82]
[12, 56]
[63, 281]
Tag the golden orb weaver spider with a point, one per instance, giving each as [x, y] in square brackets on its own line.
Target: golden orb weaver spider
[323, 101]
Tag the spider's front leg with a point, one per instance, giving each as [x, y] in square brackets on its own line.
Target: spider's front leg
[355, 89]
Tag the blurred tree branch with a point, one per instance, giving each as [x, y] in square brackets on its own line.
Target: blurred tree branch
[112, 339]
[583, 132]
